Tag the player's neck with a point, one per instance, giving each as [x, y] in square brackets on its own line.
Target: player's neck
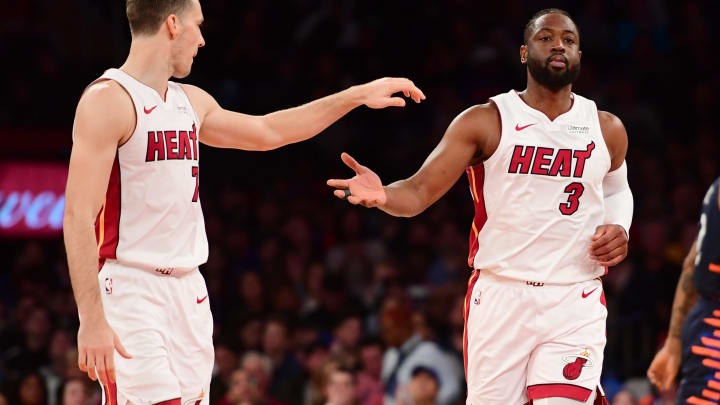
[551, 103]
[149, 63]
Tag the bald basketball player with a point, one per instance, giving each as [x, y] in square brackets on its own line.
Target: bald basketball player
[133, 208]
[552, 210]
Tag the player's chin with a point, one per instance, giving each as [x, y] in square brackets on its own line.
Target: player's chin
[183, 72]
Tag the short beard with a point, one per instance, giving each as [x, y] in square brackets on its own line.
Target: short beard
[547, 77]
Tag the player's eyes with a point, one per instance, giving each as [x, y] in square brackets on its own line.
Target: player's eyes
[569, 40]
[545, 38]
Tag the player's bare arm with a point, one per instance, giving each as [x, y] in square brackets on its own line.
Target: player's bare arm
[609, 244]
[472, 137]
[666, 363]
[227, 129]
[97, 135]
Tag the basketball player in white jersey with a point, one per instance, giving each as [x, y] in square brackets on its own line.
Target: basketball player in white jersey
[133, 210]
[552, 210]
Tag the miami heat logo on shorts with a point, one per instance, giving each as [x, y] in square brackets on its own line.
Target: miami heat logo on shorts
[575, 364]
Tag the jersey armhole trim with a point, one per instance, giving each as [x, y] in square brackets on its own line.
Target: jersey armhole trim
[490, 159]
[596, 117]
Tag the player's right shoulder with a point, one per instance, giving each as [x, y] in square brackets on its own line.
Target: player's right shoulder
[482, 125]
[106, 106]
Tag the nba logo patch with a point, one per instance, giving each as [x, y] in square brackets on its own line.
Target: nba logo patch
[108, 285]
[476, 301]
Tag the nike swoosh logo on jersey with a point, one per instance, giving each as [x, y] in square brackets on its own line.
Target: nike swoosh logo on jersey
[149, 110]
[520, 128]
[200, 300]
[585, 295]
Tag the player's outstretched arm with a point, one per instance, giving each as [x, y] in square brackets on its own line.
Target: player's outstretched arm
[104, 116]
[666, 363]
[609, 244]
[468, 135]
[228, 129]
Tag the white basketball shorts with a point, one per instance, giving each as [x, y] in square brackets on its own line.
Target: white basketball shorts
[164, 322]
[526, 340]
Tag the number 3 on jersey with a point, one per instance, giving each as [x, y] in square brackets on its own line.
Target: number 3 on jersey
[195, 173]
[571, 205]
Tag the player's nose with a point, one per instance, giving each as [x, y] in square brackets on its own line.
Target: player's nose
[558, 46]
[202, 42]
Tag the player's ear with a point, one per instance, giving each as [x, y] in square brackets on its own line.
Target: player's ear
[579, 54]
[173, 25]
[523, 54]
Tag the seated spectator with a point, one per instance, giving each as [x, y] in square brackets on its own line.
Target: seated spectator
[288, 376]
[31, 390]
[72, 392]
[624, 397]
[421, 390]
[369, 385]
[408, 350]
[341, 387]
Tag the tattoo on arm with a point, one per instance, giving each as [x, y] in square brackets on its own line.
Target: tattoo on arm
[685, 295]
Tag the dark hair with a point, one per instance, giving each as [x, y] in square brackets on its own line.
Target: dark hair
[529, 26]
[146, 16]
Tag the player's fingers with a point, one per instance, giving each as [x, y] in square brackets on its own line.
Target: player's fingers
[91, 367]
[616, 256]
[600, 240]
[339, 183]
[82, 359]
[110, 368]
[354, 200]
[608, 247]
[406, 93]
[417, 94]
[120, 348]
[599, 231]
[350, 162]
[395, 102]
[100, 368]
[339, 194]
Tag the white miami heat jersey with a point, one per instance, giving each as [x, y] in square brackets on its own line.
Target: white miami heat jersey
[151, 217]
[539, 198]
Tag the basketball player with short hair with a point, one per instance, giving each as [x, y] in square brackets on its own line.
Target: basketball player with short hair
[695, 321]
[552, 211]
[133, 208]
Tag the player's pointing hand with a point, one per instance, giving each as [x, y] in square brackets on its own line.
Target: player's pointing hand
[379, 93]
[365, 188]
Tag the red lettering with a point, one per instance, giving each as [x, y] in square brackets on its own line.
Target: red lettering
[193, 136]
[581, 156]
[184, 148]
[156, 147]
[541, 159]
[562, 163]
[171, 144]
[521, 159]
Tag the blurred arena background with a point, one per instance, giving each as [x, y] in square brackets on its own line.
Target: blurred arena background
[300, 282]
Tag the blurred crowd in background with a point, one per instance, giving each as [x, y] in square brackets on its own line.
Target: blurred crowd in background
[319, 302]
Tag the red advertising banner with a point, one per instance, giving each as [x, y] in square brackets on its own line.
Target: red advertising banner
[32, 199]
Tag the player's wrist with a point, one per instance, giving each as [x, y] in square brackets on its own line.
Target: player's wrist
[673, 343]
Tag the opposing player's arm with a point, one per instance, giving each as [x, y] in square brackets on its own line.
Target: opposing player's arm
[471, 133]
[104, 118]
[609, 244]
[227, 129]
[666, 363]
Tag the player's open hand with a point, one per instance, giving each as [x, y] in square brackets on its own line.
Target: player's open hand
[609, 245]
[379, 93]
[365, 188]
[666, 364]
[97, 343]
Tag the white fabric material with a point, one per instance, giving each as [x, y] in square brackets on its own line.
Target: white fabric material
[522, 335]
[618, 198]
[165, 323]
[160, 225]
[534, 230]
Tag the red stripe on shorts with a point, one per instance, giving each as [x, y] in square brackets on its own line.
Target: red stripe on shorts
[175, 401]
[466, 312]
[575, 392]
